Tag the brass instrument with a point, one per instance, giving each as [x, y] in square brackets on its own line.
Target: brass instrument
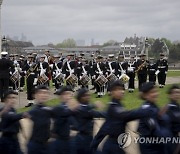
[42, 79]
[85, 80]
[31, 69]
[124, 78]
[141, 66]
[101, 80]
[112, 77]
[72, 80]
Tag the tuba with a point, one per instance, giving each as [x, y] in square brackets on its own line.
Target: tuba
[124, 78]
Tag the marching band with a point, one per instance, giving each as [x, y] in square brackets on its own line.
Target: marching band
[80, 72]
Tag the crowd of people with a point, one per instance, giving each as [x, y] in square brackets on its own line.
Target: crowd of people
[79, 115]
[18, 71]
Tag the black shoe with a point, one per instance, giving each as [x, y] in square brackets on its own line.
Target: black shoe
[99, 96]
[29, 105]
[95, 92]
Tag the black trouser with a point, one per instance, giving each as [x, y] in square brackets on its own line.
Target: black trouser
[131, 80]
[152, 78]
[142, 79]
[30, 87]
[22, 81]
[162, 78]
[4, 84]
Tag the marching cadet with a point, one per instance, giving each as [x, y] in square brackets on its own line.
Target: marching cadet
[162, 66]
[5, 66]
[173, 111]
[116, 120]
[84, 116]
[43, 68]
[121, 66]
[62, 121]
[99, 69]
[156, 126]
[131, 73]
[10, 125]
[152, 68]
[57, 70]
[30, 70]
[40, 115]
[141, 70]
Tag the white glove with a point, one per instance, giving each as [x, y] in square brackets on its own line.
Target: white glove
[123, 72]
[100, 73]
[35, 81]
[165, 72]
[93, 77]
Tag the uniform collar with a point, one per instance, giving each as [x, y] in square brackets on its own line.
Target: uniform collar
[151, 104]
[175, 103]
[115, 101]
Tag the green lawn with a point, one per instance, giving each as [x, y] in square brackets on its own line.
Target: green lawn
[173, 73]
[131, 100]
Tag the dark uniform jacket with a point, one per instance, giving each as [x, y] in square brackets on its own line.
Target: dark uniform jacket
[5, 65]
[152, 68]
[102, 67]
[73, 65]
[40, 116]
[162, 65]
[113, 66]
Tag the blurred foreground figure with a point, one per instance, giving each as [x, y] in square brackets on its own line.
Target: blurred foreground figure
[10, 125]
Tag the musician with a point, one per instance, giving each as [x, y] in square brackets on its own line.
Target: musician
[57, 70]
[111, 66]
[91, 63]
[85, 72]
[70, 66]
[5, 66]
[131, 73]
[141, 69]
[122, 66]
[30, 69]
[99, 69]
[79, 68]
[162, 65]
[47, 56]
[152, 68]
[22, 79]
[43, 68]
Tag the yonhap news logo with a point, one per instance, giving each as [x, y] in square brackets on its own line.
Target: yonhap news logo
[124, 140]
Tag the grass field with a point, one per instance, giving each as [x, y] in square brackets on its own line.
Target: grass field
[173, 73]
[130, 101]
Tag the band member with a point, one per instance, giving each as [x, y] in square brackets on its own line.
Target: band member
[43, 68]
[85, 72]
[40, 115]
[99, 69]
[47, 56]
[57, 70]
[62, 121]
[69, 67]
[122, 66]
[152, 68]
[173, 111]
[79, 68]
[111, 66]
[84, 115]
[131, 73]
[22, 79]
[141, 70]
[10, 125]
[91, 63]
[30, 69]
[5, 66]
[162, 65]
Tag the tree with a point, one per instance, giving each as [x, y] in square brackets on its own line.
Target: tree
[67, 43]
[109, 43]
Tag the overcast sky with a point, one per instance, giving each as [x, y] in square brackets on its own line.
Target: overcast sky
[44, 21]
